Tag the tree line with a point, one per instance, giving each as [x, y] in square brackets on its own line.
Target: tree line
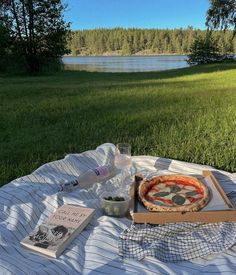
[120, 41]
[34, 36]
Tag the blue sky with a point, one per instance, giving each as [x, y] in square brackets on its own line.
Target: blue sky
[90, 14]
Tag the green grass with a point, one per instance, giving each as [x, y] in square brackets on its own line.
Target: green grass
[187, 114]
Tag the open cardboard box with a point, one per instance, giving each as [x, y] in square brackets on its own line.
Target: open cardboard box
[142, 215]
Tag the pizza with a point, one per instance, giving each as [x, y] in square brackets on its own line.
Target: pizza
[173, 193]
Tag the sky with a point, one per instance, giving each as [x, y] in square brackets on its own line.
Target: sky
[91, 14]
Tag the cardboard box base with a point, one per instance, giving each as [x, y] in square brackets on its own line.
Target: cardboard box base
[172, 217]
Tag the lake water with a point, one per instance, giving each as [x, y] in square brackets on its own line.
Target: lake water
[125, 63]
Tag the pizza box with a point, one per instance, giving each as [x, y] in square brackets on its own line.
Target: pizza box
[219, 209]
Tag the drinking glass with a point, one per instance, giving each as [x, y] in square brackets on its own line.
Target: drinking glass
[123, 155]
[123, 162]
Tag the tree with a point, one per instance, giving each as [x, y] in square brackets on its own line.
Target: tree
[5, 42]
[37, 29]
[204, 50]
[126, 50]
[222, 15]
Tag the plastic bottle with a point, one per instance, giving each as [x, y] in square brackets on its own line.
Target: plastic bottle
[87, 179]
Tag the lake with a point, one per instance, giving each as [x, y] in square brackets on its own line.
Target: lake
[124, 63]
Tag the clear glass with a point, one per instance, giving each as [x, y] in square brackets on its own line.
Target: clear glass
[123, 155]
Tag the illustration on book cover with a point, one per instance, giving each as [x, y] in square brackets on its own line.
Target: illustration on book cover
[50, 235]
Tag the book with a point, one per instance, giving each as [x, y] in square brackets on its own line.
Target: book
[59, 230]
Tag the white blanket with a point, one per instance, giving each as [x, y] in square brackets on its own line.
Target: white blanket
[27, 201]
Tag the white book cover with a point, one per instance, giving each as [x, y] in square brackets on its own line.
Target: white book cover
[58, 230]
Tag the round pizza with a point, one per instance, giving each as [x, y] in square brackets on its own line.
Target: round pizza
[173, 193]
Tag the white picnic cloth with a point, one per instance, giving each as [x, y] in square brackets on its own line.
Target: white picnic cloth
[27, 201]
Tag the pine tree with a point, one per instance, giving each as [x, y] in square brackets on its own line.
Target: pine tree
[126, 50]
[204, 50]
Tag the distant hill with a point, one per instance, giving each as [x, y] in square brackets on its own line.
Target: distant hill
[134, 41]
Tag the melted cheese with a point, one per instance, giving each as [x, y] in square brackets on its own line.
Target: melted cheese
[187, 202]
[151, 193]
[190, 188]
[197, 196]
[166, 189]
[184, 191]
[161, 185]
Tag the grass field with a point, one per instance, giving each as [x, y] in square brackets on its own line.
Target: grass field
[187, 114]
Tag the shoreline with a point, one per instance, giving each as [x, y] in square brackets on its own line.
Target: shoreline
[133, 55]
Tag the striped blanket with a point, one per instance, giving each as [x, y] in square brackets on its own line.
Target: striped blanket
[27, 201]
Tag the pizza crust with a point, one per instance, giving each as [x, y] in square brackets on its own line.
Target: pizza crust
[146, 185]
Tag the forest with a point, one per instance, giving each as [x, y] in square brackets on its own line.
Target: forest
[119, 41]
